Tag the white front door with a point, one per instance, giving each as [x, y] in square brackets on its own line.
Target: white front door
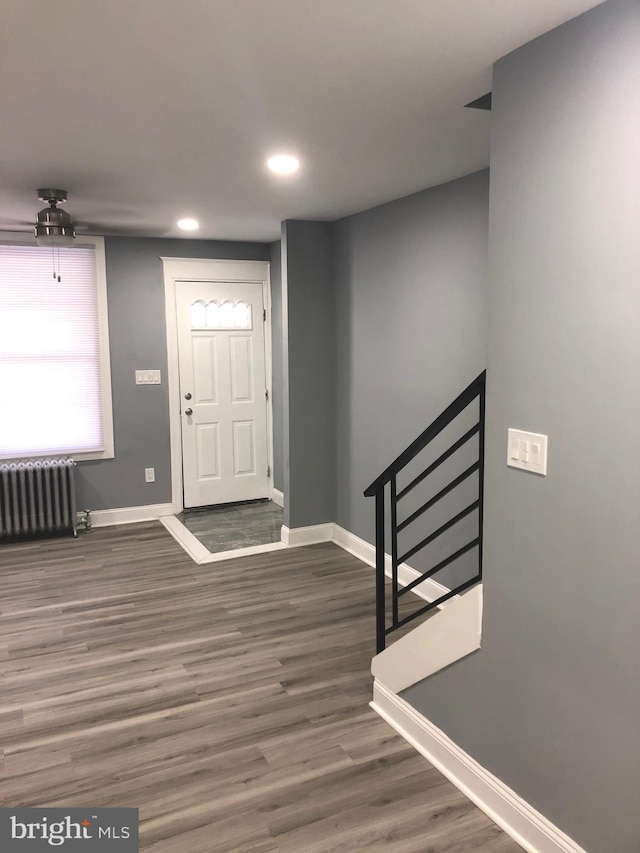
[222, 391]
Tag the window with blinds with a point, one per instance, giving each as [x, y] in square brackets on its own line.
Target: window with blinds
[55, 395]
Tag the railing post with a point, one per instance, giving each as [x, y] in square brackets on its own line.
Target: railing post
[380, 578]
[394, 552]
[481, 476]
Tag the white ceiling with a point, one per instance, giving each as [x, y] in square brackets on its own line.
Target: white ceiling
[148, 110]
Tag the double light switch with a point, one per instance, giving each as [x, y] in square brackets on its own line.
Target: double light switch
[527, 451]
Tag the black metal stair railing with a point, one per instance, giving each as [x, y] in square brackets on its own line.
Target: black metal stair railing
[389, 477]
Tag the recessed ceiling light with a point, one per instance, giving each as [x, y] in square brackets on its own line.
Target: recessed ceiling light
[283, 164]
[188, 224]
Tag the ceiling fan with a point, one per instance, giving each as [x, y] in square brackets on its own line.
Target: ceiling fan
[52, 226]
[55, 227]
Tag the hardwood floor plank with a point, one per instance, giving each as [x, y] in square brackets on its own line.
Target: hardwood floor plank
[228, 701]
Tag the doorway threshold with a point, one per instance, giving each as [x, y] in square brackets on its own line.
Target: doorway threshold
[217, 551]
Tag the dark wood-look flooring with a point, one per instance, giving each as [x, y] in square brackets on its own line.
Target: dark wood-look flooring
[227, 701]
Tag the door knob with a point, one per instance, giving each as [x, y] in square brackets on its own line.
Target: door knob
[187, 396]
[188, 412]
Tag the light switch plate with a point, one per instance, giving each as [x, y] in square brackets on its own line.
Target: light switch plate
[527, 451]
[148, 377]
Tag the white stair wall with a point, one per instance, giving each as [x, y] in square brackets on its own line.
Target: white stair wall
[451, 634]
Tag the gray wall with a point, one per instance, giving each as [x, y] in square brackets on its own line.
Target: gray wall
[277, 390]
[137, 334]
[308, 296]
[411, 328]
[551, 703]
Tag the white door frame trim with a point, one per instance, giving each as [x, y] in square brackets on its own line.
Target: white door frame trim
[209, 269]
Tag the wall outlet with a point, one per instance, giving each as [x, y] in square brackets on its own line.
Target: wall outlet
[148, 377]
[149, 475]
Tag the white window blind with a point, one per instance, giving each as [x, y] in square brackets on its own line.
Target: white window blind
[51, 396]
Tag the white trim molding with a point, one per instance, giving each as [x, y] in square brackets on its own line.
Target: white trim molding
[185, 538]
[277, 497]
[201, 269]
[530, 829]
[127, 514]
[429, 590]
[312, 535]
[251, 551]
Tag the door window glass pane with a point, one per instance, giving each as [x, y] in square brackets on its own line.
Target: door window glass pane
[198, 315]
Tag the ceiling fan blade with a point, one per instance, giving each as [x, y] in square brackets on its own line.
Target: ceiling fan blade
[13, 224]
[96, 229]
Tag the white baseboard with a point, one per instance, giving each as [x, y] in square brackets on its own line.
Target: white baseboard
[429, 590]
[520, 821]
[297, 536]
[128, 514]
[277, 497]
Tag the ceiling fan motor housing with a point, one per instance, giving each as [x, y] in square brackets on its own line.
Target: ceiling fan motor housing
[54, 226]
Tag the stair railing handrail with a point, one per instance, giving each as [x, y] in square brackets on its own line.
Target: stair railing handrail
[426, 437]
[475, 389]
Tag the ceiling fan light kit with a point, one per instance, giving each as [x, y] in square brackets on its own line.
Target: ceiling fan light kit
[54, 227]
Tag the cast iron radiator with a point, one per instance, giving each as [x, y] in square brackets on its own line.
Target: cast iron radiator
[37, 496]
